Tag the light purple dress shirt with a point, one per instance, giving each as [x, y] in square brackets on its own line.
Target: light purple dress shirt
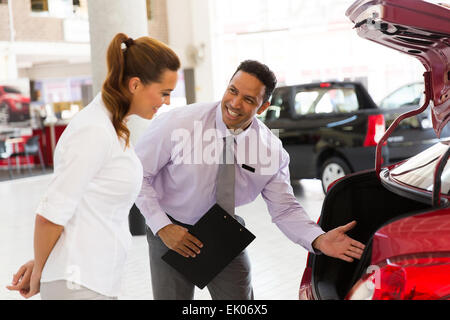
[179, 153]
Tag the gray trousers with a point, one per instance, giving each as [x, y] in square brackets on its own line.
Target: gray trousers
[232, 283]
[64, 290]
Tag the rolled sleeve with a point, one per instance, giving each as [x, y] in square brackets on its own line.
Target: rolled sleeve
[286, 212]
[77, 159]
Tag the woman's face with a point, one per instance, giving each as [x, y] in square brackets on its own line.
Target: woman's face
[147, 98]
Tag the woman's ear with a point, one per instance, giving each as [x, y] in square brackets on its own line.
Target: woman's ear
[133, 84]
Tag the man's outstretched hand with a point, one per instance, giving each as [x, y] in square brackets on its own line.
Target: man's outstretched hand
[335, 243]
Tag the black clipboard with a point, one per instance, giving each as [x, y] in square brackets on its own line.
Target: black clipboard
[223, 238]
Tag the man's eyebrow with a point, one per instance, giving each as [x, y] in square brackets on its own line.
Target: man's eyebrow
[245, 96]
[250, 97]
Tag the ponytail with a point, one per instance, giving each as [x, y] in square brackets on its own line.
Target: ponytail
[145, 58]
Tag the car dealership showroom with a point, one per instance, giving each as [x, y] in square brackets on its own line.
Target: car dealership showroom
[337, 116]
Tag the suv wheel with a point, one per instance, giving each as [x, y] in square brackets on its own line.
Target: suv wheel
[333, 169]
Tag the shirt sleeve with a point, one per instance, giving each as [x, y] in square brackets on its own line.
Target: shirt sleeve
[154, 151]
[286, 212]
[76, 162]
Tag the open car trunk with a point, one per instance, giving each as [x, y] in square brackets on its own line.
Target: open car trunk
[359, 197]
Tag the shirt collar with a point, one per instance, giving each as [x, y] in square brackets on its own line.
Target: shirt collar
[222, 130]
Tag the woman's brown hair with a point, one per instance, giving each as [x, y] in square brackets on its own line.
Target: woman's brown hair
[145, 58]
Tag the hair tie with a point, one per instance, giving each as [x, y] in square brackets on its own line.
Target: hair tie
[129, 42]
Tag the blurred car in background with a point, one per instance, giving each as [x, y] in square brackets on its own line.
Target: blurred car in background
[404, 142]
[409, 95]
[403, 209]
[14, 107]
[331, 129]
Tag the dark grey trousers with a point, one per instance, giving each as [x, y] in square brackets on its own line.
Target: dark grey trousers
[232, 283]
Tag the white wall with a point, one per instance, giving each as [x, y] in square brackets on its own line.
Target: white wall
[303, 41]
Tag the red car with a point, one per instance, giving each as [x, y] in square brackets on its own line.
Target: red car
[14, 106]
[402, 210]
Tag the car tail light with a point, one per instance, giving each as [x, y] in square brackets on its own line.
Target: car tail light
[411, 278]
[325, 85]
[375, 130]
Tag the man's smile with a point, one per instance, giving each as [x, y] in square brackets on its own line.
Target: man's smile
[231, 114]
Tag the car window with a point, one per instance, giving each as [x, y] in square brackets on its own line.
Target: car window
[411, 94]
[278, 105]
[304, 102]
[418, 171]
[324, 100]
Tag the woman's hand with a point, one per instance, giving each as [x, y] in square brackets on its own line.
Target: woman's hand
[35, 284]
[28, 279]
[23, 278]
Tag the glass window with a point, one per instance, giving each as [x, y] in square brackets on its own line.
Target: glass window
[39, 5]
[304, 102]
[325, 104]
[149, 9]
[80, 8]
[411, 94]
[344, 99]
[340, 100]
[278, 105]
[59, 8]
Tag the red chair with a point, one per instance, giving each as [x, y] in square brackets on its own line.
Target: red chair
[31, 148]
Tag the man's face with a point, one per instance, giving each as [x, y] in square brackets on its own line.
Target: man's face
[242, 100]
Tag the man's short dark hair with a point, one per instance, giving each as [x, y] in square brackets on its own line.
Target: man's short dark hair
[262, 72]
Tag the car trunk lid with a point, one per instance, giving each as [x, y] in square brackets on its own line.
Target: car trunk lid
[417, 28]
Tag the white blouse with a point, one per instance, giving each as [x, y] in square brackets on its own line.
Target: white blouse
[95, 183]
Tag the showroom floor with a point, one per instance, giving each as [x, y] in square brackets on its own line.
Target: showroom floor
[277, 263]
[23, 173]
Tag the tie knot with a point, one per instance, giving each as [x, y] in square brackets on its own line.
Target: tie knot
[229, 139]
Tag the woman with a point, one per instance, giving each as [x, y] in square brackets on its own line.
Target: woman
[81, 233]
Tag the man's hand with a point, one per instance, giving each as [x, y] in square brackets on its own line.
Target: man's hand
[335, 243]
[178, 238]
[26, 280]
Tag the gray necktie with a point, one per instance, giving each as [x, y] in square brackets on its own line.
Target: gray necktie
[226, 176]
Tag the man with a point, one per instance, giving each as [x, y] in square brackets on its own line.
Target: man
[180, 185]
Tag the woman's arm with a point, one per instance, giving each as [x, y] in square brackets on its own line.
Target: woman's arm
[77, 161]
[46, 233]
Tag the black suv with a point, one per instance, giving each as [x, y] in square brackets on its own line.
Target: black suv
[331, 129]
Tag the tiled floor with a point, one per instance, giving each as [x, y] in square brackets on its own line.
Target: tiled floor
[277, 263]
[24, 172]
